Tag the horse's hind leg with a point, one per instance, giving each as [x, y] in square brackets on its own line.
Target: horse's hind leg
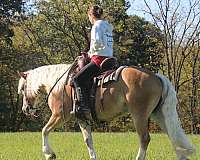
[54, 120]
[141, 126]
[86, 131]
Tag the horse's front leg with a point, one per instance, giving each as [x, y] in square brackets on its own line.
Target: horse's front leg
[54, 120]
[87, 136]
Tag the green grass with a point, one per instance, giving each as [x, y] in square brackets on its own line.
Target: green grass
[70, 146]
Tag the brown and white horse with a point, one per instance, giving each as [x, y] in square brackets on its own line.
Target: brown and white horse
[137, 92]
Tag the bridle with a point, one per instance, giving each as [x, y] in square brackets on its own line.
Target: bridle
[31, 111]
[70, 68]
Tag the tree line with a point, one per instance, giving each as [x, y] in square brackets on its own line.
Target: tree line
[53, 32]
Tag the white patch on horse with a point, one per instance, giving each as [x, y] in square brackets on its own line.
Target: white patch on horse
[46, 76]
[22, 81]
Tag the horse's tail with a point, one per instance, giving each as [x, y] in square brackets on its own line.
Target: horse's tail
[167, 117]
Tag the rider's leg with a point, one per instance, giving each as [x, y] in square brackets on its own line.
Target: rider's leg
[81, 81]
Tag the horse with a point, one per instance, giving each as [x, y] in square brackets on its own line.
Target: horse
[140, 92]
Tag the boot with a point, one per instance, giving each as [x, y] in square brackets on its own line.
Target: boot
[81, 108]
[83, 98]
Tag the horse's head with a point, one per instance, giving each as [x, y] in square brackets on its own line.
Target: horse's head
[28, 99]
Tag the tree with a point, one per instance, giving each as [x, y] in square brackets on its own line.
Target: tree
[9, 100]
[140, 44]
[180, 28]
[8, 10]
[180, 24]
[195, 91]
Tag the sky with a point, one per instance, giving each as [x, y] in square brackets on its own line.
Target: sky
[138, 5]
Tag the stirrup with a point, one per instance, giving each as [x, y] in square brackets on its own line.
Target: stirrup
[75, 107]
[73, 112]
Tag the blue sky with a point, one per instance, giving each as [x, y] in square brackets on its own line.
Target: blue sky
[135, 5]
[138, 5]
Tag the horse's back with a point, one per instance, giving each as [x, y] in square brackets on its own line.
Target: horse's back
[137, 91]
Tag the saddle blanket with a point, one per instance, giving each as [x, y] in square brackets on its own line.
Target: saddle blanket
[109, 76]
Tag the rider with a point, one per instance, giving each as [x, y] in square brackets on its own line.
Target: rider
[101, 47]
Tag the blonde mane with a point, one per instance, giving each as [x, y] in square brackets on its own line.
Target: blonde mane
[46, 76]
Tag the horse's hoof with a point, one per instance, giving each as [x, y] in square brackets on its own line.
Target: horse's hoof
[50, 156]
[53, 156]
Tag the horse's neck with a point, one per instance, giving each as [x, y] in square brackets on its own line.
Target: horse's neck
[48, 77]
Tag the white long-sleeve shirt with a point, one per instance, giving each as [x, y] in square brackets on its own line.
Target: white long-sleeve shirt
[101, 39]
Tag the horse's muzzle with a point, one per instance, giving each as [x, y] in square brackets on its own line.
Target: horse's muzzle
[26, 110]
[29, 111]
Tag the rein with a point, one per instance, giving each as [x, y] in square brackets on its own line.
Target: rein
[63, 89]
[57, 82]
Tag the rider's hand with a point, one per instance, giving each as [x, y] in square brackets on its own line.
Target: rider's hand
[85, 54]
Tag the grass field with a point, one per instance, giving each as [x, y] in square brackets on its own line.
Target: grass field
[70, 146]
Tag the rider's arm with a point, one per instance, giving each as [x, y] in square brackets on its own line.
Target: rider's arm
[97, 43]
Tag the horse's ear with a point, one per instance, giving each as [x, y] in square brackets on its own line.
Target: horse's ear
[22, 74]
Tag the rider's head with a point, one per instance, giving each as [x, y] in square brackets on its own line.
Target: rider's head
[94, 13]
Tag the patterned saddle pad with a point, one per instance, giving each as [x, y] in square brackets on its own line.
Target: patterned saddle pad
[109, 76]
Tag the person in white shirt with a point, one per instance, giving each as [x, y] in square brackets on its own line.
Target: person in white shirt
[101, 47]
[101, 39]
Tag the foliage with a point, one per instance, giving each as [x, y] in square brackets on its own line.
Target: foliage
[180, 24]
[8, 10]
[140, 44]
[190, 93]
